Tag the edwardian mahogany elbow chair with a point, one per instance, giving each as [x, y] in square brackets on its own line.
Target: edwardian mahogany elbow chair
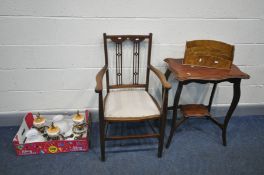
[205, 61]
[129, 101]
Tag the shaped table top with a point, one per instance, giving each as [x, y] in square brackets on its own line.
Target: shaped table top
[184, 72]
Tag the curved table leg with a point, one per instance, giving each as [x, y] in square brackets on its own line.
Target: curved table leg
[235, 100]
[175, 107]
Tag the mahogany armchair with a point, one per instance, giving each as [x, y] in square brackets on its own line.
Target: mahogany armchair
[129, 101]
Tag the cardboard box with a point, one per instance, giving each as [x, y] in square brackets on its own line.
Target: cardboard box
[51, 146]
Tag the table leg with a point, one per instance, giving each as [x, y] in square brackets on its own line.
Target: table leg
[174, 117]
[212, 97]
[235, 100]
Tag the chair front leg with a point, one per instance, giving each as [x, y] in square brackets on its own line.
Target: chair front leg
[102, 126]
[163, 121]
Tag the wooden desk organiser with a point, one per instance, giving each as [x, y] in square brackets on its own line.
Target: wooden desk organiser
[209, 53]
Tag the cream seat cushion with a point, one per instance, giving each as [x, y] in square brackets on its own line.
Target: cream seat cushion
[128, 103]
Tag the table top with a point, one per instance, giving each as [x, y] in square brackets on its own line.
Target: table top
[188, 72]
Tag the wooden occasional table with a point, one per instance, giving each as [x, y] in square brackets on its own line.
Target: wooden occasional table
[186, 74]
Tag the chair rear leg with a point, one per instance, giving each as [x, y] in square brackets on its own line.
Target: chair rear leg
[163, 121]
[161, 137]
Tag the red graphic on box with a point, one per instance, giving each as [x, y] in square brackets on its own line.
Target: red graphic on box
[48, 147]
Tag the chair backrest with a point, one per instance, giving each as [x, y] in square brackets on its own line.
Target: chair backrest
[209, 53]
[127, 58]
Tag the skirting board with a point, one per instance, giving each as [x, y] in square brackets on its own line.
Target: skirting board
[15, 118]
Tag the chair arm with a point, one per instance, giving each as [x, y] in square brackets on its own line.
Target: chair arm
[99, 79]
[161, 77]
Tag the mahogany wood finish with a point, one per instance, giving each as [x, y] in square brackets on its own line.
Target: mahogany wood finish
[162, 78]
[99, 79]
[209, 53]
[196, 73]
[127, 86]
[186, 74]
[197, 110]
[103, 121]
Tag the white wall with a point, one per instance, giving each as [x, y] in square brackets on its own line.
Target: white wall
[50, 51]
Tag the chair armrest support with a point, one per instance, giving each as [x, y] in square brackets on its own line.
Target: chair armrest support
[161, 77]
[99, 79]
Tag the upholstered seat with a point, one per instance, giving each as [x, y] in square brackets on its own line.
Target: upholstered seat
[130, 104]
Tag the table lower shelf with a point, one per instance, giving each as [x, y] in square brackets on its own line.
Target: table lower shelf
[194, 110]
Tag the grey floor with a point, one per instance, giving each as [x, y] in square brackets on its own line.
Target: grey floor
[196, 149]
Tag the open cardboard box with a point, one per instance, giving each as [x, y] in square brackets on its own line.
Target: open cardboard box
[52, 146]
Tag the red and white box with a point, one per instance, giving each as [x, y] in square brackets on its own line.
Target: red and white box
[51, 146]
